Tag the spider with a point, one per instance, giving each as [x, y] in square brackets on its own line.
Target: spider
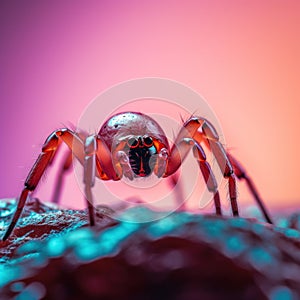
[132, 144]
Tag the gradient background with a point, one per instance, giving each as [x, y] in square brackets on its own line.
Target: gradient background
[242, 56]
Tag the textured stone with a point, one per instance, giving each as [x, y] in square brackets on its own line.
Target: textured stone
[54, 254]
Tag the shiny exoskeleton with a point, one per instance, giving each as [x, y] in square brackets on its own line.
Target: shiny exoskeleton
[132, 144]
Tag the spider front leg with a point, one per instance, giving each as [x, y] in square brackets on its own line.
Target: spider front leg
[201, 130]
[208, 135]
[48, 151]
[223, 157]
[105, 164]
[226, 168]
[179, 152]
[208, 175]
[90, 149]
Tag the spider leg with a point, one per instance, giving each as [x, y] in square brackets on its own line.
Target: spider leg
[67, 162]
[208, 175]
[177, 187]
[200, 130]
[212, 140]
[231, 166]
[104, 162]
[90, 166]
[46, 156]
[227, 169]
[90, 149]
[178, 154]
[241, 174]
[65, 167]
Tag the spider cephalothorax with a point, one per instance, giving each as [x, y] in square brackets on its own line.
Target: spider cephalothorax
[137, 143]
[141, 155]
[132, 144]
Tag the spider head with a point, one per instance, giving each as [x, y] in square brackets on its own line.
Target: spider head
[140, 156]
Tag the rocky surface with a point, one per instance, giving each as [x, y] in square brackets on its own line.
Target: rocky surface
[53, 254]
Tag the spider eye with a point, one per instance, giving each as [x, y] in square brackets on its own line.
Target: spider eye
[148, 141]
[133, 142]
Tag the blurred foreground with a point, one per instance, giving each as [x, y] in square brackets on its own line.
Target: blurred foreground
[53, 254]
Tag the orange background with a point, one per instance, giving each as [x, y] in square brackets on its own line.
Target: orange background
[242, 56]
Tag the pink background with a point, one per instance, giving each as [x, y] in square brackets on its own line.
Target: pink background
[243, 57]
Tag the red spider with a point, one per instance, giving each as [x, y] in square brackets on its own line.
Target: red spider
[132, 144]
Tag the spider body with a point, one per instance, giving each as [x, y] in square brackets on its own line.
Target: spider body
[132, 144]
[125, 124]
[136, 138]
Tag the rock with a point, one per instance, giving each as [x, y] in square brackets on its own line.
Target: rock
[53, 254]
